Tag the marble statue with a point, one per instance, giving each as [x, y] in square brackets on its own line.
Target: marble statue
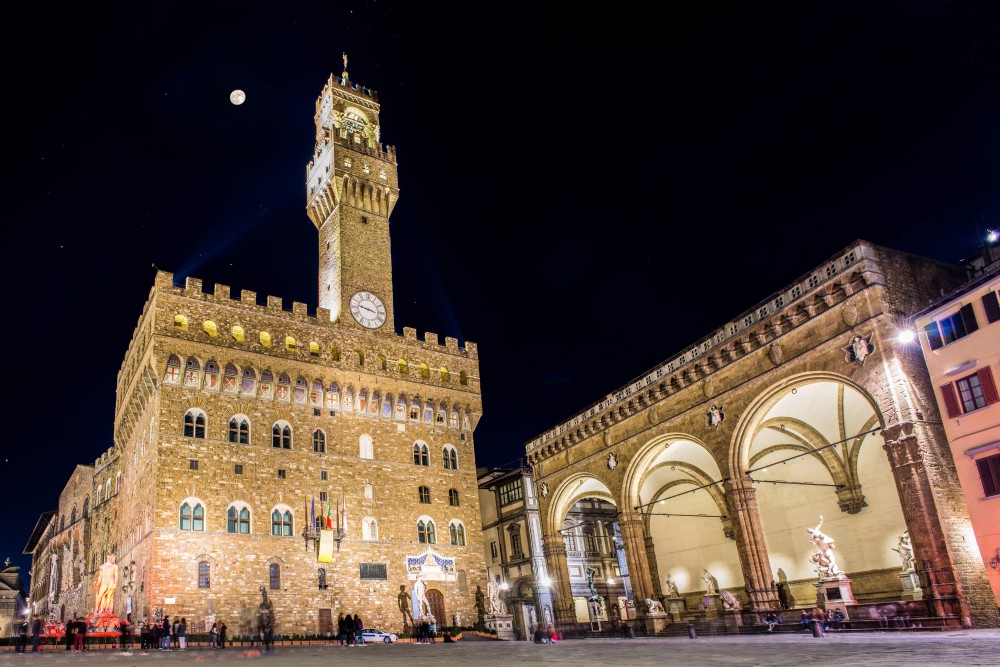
[709, 580]
[53, 576]
[107, 581]
[420, 588]
[823, 559]
[905, 552]
[497, 607]
[730, 602]
[670, 587]
[654, 607]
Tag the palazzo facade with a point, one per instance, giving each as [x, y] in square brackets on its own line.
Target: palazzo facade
[319, 458]
[799, 412]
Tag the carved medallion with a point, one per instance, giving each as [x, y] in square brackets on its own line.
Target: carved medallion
[776, 353]
[850, 315]
[652, 417]
[859, 349]
[612, 461]
[714, 416]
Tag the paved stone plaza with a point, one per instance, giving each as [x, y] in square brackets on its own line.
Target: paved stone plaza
[911, 649]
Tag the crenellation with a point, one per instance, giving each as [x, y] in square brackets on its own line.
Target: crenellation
[248, 297]
[431, 338]
[273, 302]
[451, 343]
[300, 309]
[193, 287]
[409, 333]
[221, 291]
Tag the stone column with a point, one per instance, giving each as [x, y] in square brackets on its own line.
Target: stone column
[634, 540]
[910, 447]
[741, 499]
[654, 571]
[562, 593]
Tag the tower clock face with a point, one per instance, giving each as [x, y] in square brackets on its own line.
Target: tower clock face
[368, 310]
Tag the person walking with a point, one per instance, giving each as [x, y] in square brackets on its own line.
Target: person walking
[36, 633]
[165, 634]
[819, 618]
[175, 638]
[21, 641]
[213, 636]
[124, 630]
[182, 629]
[359, 629]
[341, 635]
[77, 635]
[222, 635]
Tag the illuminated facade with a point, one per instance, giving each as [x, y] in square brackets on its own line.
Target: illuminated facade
[722, 458]
[320, 456]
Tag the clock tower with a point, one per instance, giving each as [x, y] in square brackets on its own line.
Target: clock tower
[351, 191]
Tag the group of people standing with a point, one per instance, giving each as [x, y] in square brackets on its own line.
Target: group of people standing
[350, 630]
[163, 634]
[26, 627]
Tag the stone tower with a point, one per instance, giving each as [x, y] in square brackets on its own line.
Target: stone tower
[351, 190]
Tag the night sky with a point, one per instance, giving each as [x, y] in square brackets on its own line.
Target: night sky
[584, 190]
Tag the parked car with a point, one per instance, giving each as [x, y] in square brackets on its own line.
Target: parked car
[373, 635]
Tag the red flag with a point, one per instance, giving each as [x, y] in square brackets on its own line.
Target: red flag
[329, 521]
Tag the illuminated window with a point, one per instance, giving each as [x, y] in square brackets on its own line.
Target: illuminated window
[511, 491]
[969, 393]
[949, 329]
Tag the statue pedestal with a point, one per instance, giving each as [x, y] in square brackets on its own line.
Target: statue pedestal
[654, 622]
[713, 606]
[677, 608]
[835, 594]
[734, 620]
[503, 624]
[911, 585]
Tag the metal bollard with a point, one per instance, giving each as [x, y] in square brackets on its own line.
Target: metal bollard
[692, 634]
[817, 629]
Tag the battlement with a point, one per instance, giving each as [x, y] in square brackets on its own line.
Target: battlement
[106, 459]
[346, 88]
[221, 295]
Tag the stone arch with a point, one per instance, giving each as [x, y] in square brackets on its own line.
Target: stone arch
[573, 489]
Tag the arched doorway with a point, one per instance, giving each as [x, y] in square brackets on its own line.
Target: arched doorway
[813, 448]
[436, 600]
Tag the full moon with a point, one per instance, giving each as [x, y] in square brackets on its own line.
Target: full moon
[237, 97]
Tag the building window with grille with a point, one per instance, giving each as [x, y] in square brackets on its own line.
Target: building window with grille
[281, 436]
[324, 475]
[323, 496]
[321, 575]
[421, 455]
[989, 473]
[238, 520]
[511, 491]
[515, 544]
[193, 464]
[239, 430]
[494, 551]
[281, 523]
[450, 457]
[453, 497]
[194, 424]
[192, 516]
[424, 494]
[238, 469]
[319, 441]
[969, 393]
[204, 568]
[457, 532]
[425, 531]
[274, 572]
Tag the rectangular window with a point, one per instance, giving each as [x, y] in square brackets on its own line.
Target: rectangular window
[364, 220]
[192, 464]
[239, 469]
[281, 473]
[203, 571]
[991, 304]
[515, 544]
[970, 393]
[322, 496]
[989, 473]
[951, 328]
[275, 576]
[494, 553]
[510, 492]
[323, 475]
[315, 410]
[373, 571]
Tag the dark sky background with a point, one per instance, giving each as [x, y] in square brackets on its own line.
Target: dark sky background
[585, 189]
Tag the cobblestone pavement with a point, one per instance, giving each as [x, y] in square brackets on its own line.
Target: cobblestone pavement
[911, 649]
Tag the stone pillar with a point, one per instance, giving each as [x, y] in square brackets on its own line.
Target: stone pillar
[562, 593]
[931, 506]
[741, 499]
[634, 540]
[654, 571]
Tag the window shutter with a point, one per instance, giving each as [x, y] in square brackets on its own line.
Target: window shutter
[951, 400]
[989, 473]
[988, 385]
[933, 336]
[969, 319]
[992, 305]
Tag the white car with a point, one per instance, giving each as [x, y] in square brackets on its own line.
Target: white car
[373, 635]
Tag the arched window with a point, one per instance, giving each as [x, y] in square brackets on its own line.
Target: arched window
[415, 410]
[192, 515]
[266, 385]
[334, 353]
[238, 519]
[191, 373]
[445, 377]
[249, 386]
[239, 430]
[362, 401]
[321, 575]
[281, 522]
[204, 570]
[369, 491]
[319, 441]
[62, 523]
[442, 415]
[348, 403]
[403, 367]
[457, 533]
[453, 418]
[424, 494]
[118, 484]
[365, 447]
[453, 497]
[463, 378]
[421, 455]
[281, 436]
[369, 529]
[400, 411]
[72, 516]
[425, 531]
[450, 457]
[425, 372]
[194, 424]
[274, 574]
[86, 507]
[173, 374]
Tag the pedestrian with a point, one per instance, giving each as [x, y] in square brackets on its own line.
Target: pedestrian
[173, 634]
[819, 617]
[432, 630]
[268, 638]
[165, 634]
[222, 635]
[182, 629]
[213, 636]
[551, 635]
[68, 630]
[21, 641]
[82, 623]
[805, 619]
[36, 633]
[77, 635]
[359, 629]
[124, 629]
